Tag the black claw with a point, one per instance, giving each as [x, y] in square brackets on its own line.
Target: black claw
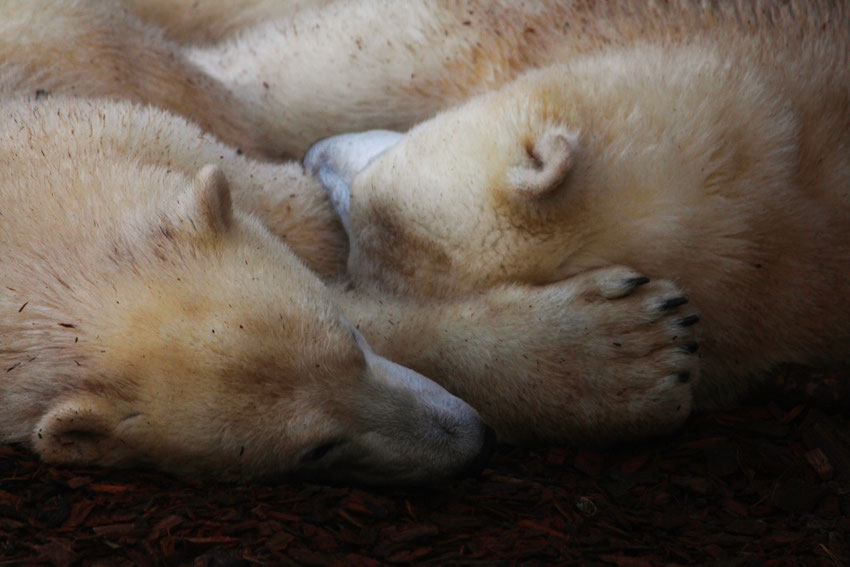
[689, 320]
[675, 302]
[634, 282]
[692, 347]
[684, 376]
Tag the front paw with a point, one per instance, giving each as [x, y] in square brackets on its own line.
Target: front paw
[638, 347]
[604, 356]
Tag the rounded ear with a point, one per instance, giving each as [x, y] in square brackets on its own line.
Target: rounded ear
[209, 198]
[78, 430]
[550, 157]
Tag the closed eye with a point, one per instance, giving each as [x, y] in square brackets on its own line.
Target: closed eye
[317, 453]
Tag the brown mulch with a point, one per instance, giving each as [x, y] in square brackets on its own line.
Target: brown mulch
[766, 484]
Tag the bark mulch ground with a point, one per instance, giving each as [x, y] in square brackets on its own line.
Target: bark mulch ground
[766, 484]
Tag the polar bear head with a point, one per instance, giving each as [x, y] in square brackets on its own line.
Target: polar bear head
[568, 168]
[211, 350]
[474, 197]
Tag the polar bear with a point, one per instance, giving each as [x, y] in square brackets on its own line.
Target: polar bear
[145, 321]
[720, 160]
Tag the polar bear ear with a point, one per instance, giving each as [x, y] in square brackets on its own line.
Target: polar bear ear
[209, 198]
[549, 159]
[78, 430]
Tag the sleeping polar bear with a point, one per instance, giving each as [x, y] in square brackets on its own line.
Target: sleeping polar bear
[146, 321]
[141, 381]
[716, 154]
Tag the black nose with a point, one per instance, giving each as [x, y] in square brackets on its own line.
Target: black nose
[475, 466]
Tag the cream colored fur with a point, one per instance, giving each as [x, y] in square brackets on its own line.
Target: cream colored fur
[210, 21]
[98, 48]
[144, 321]
[94, 48]
[356, 64]
[709, 146]
[596, 358]
[147, 322]
[67, 50]
[348, 66]
[305, 75]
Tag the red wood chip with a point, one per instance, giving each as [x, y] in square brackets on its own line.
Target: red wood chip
[820, 463]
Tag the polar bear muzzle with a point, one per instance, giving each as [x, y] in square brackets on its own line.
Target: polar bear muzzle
[338, 159]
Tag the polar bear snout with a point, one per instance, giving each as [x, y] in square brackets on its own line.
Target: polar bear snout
[477, 464]
[335, 161]
[390, 425]
[414, 430]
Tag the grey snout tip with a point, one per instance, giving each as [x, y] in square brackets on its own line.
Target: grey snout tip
[337, 160]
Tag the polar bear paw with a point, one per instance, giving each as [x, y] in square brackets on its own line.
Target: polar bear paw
[636, 352]
[607, 355]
